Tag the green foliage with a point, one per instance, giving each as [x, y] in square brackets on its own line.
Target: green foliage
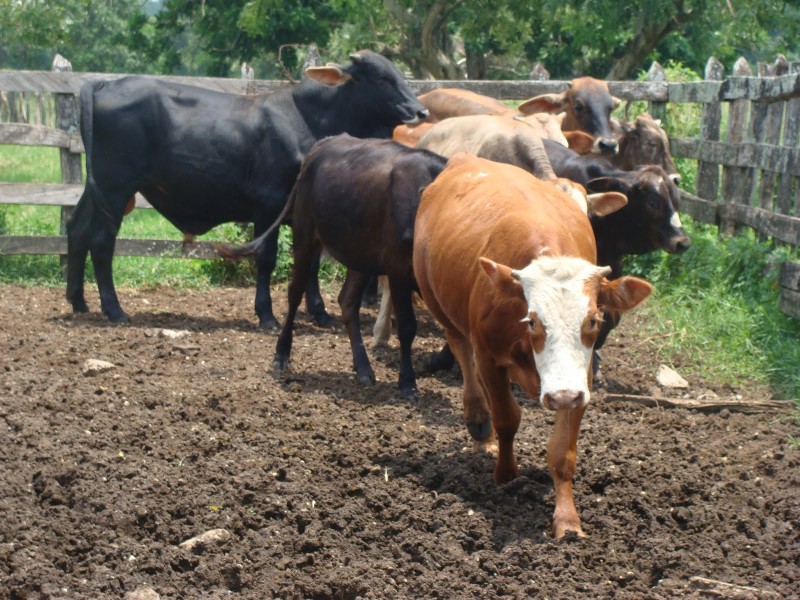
[715, 309]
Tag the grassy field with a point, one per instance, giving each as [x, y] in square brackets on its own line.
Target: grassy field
[715, 306]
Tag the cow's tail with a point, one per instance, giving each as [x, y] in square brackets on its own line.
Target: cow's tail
[254, 248]
[87, 120]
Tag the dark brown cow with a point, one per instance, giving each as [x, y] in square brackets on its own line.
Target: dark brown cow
[506, 263]
[357, 199]
[644, 142]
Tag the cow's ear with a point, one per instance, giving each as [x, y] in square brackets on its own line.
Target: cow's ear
[547, 103]
[579, 141]
[605, 203]
[498, 273]
[328, 75]
[608, 184]
[623, 294]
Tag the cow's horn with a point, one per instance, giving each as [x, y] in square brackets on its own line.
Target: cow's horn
[356, 57]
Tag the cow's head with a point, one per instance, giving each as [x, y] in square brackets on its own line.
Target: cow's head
[380, 88]
[644, 142]
[559, 304]
[650, 220]
[587, 104]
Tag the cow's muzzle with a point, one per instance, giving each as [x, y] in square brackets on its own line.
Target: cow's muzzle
[418, 117]
[605, 146]
[678, 244]
[563, 399]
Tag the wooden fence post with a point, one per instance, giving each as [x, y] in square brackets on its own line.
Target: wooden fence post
[789, 204]
[770, 131]
[708, 173]
[539, 73]
[67, 115]
[734, 179]
[657, 110]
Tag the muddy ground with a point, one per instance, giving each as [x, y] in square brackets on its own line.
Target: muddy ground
[326, 489]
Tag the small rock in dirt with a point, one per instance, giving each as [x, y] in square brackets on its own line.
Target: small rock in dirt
[174, 334]
[213, 537]
[94, 366]
[142, 593]
[669, 378]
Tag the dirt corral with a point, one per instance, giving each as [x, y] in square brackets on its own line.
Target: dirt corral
[312, 486]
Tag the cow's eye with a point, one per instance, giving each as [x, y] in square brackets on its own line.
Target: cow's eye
[578, 108]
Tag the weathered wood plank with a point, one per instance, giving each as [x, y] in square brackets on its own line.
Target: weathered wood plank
[699, 208]
[767, 157]
[789, 186]
[70, 82]
[744, 87]
[21, 134]
[790, 276]
[716, 405]
[10, 244]
[735, 183]
[49, 194]
[789, 302]
[781, 227]
[708, 172]
[770, 132]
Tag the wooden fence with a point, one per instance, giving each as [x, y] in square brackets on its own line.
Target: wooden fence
[748, 175]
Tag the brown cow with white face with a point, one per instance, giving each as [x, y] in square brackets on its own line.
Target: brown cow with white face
[506, 263]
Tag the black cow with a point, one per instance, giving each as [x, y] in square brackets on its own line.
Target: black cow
[202, 158]
[358, 200]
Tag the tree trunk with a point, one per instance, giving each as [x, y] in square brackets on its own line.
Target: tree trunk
[648, 35]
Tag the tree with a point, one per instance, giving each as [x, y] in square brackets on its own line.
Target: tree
[94, 36]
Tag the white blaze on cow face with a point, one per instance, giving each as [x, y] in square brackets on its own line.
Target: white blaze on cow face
[675, 221]
[561, 296]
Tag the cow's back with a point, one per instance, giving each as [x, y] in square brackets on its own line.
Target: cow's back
[480, 208]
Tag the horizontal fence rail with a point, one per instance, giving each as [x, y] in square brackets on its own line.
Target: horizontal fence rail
[748, 175]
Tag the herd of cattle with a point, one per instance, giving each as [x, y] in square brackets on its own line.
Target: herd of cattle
[511, 224]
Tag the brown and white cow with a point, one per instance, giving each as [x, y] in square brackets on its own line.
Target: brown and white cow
[506, 263]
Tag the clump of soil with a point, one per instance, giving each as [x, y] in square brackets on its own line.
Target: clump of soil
[312, 486]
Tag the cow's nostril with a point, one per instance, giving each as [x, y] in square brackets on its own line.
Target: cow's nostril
[423, 114]
[607, 146]
[676, 179]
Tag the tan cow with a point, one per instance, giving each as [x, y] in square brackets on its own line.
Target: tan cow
[506, 264]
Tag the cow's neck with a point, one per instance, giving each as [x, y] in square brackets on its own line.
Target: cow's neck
[334, 110]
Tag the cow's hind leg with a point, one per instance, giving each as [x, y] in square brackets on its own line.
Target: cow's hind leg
[440, 361]
[95, 230]
[350, 302]
[77, 251]
[314, 303]
[265, 265]
[476, 410]
[303, 260]
[401, 290]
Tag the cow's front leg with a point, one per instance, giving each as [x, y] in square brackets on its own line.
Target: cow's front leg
[561, 459]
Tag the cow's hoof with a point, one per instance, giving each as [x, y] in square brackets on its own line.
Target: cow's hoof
[366, 379]
[480, 432]
[80, 307]
[270, 324]
[408, 391]
[118, 318]
[568, 531]
[280, 363]
[323, 320]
